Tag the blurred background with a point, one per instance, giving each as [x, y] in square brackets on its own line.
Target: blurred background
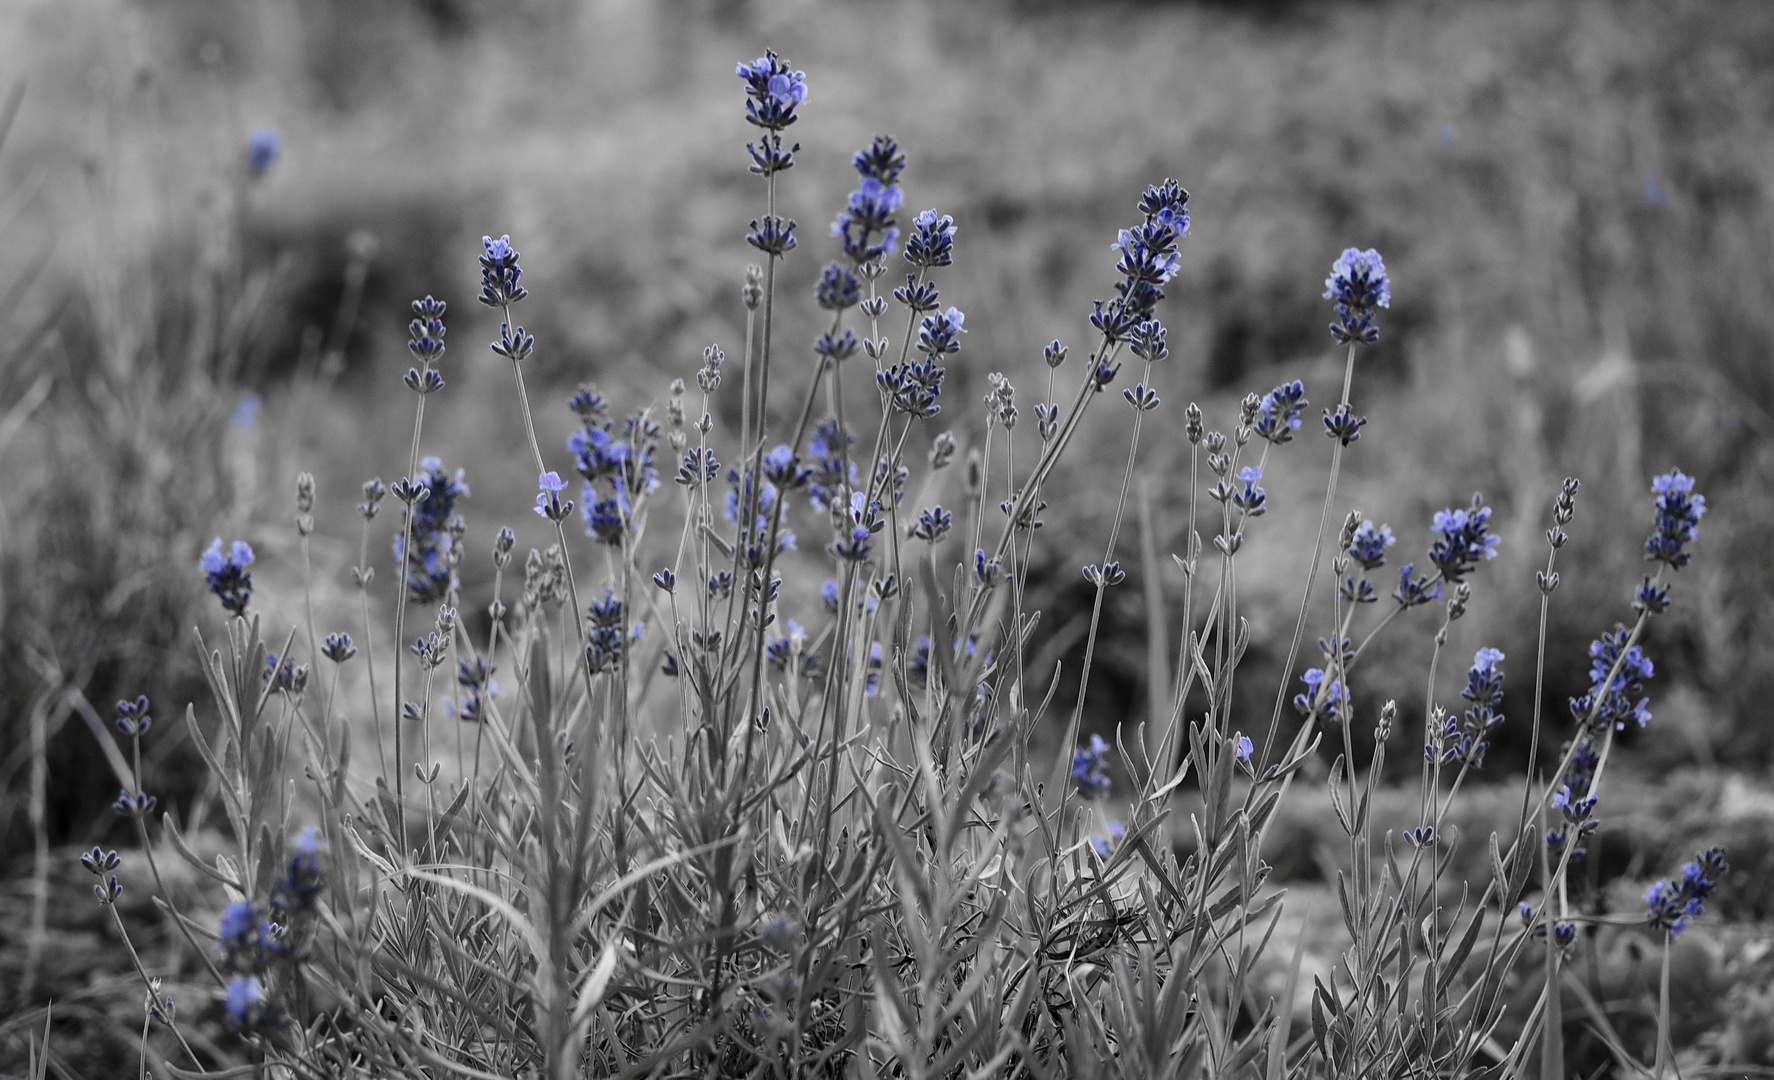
[1575, 200]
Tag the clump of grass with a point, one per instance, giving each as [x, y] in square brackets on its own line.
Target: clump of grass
[693, 835]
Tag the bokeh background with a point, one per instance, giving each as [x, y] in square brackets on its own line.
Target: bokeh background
[1575, 200]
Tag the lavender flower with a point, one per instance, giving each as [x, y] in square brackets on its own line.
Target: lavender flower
[302, 879]
[1368, 545]
[1147, 260]
[1413, 591]
[338, 648]
[244, 1004]
[775, 237]
[1466, 735]
[226, 575]
[1672, 905]
[499, 273]
[246, 414]
[1279, 413]
[1309, 701]
[1576, 806]
[938, 334]
[262, 148]
[881, 159]
[428, 569]
[932, 242]
[548, 499]
[1088, 768]
[1358, 284]
[1343, 425]
[133, 718]
[933, 525]
[1678, 519]
[1618, 700]
[862, 521]
[772, 91]
[829, 450]
[1104, 845]
[868, 213]
[607, 633]
[426, 331]
[1250, 498]
[838, 288]
[1465, 540]
[914, 387]
[248, 940]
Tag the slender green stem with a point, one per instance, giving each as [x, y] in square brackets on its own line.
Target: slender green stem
[1330, 495]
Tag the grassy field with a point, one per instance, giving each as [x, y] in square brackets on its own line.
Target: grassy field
[1573, 200]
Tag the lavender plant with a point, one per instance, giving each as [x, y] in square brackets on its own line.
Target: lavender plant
[768, 806]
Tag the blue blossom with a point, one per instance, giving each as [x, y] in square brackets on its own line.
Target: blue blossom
[775, 237]
[753, 536]
[1343, 425]
[248, 940]
[933, 525]
[866, 225]
[1368, 545]
[133, 718]
[932, 242]
[772, 91]
[1104, 845]
[828, 594]
[338, 648]
[428, 569]
[227, 575]
[783, 469]
[1250, 498]
[244, 1004]
[1147, 259]
[861, 522]
[881, 160]
[606, 519]
[475, 672]
[1672, 905]
[1466, 737]
[302, 879]
[607, 633]
[1358, 284]
[1149, 341]
[548, 499]
[425, 333]
[919, 296]
[1465, 540]
[262, 148]
[1413, 590]
[136, 805]
[1316, 696]
[1278, 415]
[1574, 803]
[1617, 700]
[285, 675]
[1651, 597]
[783, 652]
[938, 333]
[1245, 748]
[1678, 518]
[246, 414]
[499, 273]
[914, 387]
[832, 471]
[837, 288]
[1089, 767]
